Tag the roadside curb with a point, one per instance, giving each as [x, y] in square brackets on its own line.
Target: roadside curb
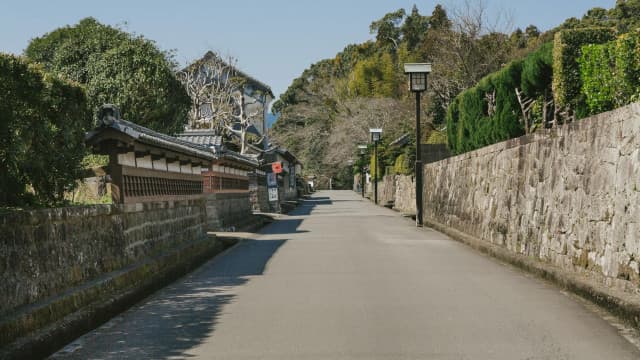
[619, 304]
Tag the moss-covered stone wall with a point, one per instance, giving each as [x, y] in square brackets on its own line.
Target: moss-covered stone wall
[45, 252]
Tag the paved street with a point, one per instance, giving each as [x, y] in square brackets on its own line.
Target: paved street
[340, 278]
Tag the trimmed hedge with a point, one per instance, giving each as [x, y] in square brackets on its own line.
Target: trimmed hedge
[43, 120]
[610, 73]
[472, 122]
[552, 70]
[567, 49]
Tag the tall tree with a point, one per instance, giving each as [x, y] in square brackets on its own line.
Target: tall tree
[414, 28]
[387, 29]
[439, 19]
[119, 68]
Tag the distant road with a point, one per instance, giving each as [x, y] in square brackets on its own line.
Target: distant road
[343, 279]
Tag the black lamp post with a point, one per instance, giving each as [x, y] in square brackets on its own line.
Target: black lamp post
[376, 134]
[363, 151]
[417, 84]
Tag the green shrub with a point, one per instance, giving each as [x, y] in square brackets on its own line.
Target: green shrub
[373, 167]
[44, 120]
[402, 165]
[537, 71]
[437, 137]
[473, 123]
[610, 73]
[567, 49]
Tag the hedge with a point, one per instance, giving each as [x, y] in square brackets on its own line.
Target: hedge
[472, 122]
[552, 70]
[610, 73]
[567, 49]
[43, 120]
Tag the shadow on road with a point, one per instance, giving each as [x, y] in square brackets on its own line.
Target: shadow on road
[308, 205]
[180, 316]
[284, 226]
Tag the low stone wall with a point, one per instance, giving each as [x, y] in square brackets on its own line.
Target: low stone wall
[227, 210]
[47, 251]
[386, 190]
[398, 191]
[405, 194]
[67, 270]
[568, 197]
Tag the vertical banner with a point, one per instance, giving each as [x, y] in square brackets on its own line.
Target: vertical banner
[272, 186]
[292, 177]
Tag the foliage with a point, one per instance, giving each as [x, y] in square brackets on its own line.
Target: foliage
[374, 166]
[610, 73]
[567, 50]
[490, 111]
[387, 29]
[93, 161]
[330, 106]
[624, 17]
[375, 77]
[43, 123]
[402, 165]
[537, 70]
[119, 68]
[414, 28]
[437, 137]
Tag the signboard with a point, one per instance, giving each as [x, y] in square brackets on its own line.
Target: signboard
[292, 177]
[272, 180]
[276, 167]
[273, 194]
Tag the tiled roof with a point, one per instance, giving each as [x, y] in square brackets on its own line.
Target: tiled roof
[214, 142]
[148, 136]
[401, 141]
[206, 138]
[255, 82]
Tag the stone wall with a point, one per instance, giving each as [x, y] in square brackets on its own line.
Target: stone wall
[569, 197]
[227, 210]
[45, 252]
[387, 190]
[405, 194]
[258, 193]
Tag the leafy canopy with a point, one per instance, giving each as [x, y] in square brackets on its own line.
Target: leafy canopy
[116, 67]
[44, 120]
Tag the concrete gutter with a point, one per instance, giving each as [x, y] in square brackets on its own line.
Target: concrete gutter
[620, 304]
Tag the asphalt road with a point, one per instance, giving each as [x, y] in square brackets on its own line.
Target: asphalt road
[343, 279]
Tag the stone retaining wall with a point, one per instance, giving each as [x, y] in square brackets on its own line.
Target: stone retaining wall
[45, 252]
[405, 194]
[227, 210]
[568, 197]
[387, 190]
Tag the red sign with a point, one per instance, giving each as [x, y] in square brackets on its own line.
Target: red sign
[276, 167]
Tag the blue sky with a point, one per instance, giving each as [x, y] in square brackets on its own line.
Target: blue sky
[273, 40]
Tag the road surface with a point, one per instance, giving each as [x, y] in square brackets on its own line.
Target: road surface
[343, 279]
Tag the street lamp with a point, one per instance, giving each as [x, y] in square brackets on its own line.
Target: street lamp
[363, 151]
[376, 134]
[417, 84]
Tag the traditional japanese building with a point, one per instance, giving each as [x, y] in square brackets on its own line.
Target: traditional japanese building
[145, 165]
[229, 171]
